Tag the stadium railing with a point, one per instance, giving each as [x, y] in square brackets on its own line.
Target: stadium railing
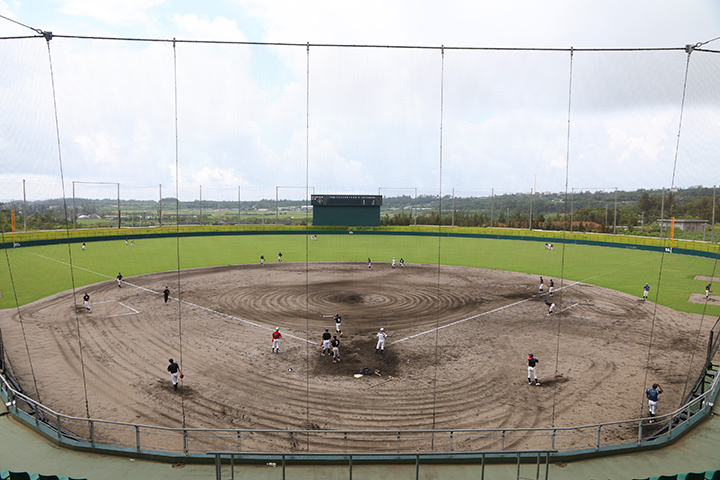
[163, 442]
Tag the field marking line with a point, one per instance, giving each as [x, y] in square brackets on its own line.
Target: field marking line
[182, 301]
[463, 320]
[134, 312]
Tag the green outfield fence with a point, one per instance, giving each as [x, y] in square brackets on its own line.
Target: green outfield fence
[684, 247]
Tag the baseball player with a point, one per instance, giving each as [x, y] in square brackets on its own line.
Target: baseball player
[532, 362]
[369, 263]
[542, 286]
[276, 336]
[402, 263]
[86, 302]
[708, 291]
[393, 263]
[335, 349]
[166, 294]
[83, 246]
[646, 291]
[262, 260]
[652, 395]
[175, 372]
[381, 336]
[550, 306]
[551, 287]
[338, 320]
[280, 257]
[119, 279]
[326, 342]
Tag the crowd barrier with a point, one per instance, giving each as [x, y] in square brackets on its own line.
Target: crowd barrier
[163, 442]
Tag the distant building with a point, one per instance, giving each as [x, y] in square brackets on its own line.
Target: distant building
[685, 224]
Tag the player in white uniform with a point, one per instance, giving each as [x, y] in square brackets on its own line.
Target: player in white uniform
[393, 264]
[381, 336]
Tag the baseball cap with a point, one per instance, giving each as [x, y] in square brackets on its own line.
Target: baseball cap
[381, 329]
[171, 360]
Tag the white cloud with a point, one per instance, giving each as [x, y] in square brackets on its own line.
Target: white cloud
[112, 12]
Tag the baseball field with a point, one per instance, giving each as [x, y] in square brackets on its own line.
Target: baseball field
[462, 315]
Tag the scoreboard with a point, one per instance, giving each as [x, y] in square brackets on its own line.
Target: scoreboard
[346, 210]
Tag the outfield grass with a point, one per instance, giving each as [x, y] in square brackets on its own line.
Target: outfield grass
[41, 271]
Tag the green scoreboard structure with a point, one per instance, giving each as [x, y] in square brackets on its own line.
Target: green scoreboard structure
[346, 210]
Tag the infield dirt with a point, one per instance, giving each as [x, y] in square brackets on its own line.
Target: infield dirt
[455, 357]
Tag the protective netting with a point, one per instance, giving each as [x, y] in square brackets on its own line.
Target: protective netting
[148, 133]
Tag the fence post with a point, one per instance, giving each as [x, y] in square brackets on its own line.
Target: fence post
[502, 441]
[137, 438]
[59, 427]
[185, 441]
[597, 440]
[92, 432]
[398, 442]
[239, 435]
[640, 432]
[218, 467]
[451, 440]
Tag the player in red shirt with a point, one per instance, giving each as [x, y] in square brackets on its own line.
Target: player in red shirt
[276, 336]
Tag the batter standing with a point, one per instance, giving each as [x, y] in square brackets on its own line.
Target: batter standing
[381, 336]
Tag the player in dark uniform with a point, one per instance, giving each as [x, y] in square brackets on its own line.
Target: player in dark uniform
[166, 294]
[338, 320]
[174, 370]
[335, 349]
[326, 342]
[86, 301]
[550, 306]
[532, 362]
[652, 395]
[119, 279]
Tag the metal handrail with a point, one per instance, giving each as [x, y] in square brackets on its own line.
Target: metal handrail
[56, 420]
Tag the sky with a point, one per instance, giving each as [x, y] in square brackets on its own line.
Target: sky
[473, 103]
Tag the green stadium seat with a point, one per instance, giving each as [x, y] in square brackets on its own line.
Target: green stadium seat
[695, 476]
[19, 476]
[715, 475]
[48, 477]
[667, 477]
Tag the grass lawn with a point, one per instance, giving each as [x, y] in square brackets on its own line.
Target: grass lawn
[41, 271]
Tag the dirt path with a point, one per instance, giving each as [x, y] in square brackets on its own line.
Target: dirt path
[457, 350]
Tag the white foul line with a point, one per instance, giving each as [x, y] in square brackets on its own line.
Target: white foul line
[181, 301]
[474, 317]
